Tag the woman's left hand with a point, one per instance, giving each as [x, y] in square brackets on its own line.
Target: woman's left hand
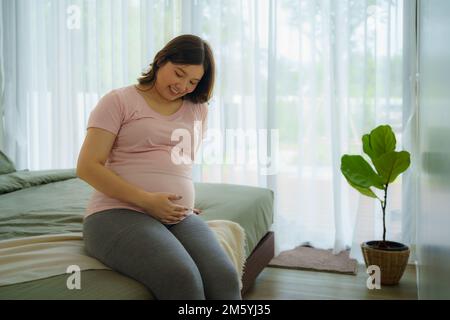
[197, 211]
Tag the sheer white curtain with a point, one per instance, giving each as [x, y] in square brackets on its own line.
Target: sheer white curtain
[322, 73]
[300, 81]
[60, 57]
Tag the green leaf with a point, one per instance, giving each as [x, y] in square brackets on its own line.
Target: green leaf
[359, 173]
[365, 191]
[391, 164]
[367, 147]
[381, 140]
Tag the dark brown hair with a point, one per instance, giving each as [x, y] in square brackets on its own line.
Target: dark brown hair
[188, 50]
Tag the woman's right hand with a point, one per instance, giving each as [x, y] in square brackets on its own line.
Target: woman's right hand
[160, 206]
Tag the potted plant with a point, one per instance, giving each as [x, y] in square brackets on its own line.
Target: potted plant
[379, 145]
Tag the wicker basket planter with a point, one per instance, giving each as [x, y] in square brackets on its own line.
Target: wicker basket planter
[391, 260]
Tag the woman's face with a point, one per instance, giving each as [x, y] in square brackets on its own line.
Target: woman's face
[175, 80]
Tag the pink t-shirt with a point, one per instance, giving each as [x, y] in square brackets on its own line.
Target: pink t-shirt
[151, 151]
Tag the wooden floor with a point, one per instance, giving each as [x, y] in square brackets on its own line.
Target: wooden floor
[286, 284]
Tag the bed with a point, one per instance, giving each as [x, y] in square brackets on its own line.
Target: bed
[52, 202]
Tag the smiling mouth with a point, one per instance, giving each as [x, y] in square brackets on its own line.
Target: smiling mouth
[173, 91]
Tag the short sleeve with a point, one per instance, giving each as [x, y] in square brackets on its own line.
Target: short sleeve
[108, 114]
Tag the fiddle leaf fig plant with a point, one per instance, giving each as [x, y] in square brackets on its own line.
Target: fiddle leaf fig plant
[388, 164]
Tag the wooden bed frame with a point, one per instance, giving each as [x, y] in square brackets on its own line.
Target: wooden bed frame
[258, 260]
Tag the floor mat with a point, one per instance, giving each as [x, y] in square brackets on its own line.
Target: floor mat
[307, 258]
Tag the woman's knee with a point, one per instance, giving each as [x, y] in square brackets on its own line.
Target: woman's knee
[230, 274]
[225, 285]
[183, 282]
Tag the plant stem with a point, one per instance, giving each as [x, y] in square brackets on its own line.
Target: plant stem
[383, 206]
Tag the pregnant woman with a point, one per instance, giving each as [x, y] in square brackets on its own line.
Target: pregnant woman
[140, 219]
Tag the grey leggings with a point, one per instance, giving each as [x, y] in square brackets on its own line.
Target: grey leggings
[181, 261]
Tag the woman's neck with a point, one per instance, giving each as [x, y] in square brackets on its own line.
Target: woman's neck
[152, 93]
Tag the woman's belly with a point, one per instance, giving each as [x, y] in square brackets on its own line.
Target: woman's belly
[161, 182]
[150, 182]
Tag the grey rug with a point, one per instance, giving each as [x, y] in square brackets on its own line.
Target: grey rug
[307, 258]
